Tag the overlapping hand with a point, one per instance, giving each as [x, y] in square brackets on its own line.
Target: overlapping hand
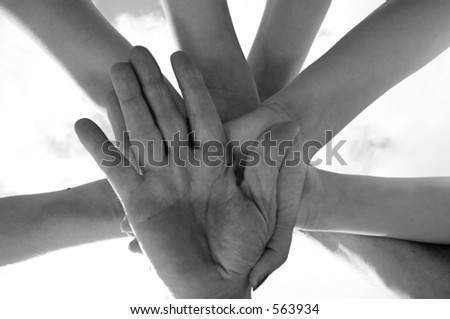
[201, 227]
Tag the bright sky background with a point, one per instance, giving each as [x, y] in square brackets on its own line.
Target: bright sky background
[404, 133]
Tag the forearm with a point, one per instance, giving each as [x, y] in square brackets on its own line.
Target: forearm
[78, 36]
[405, 208]
[35, 224]
[285, 35]
[392, 43]
[203, 29]
[410, 269]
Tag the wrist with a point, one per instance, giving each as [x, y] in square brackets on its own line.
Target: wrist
[326, 203]
[315, 201]
[98, 200]
[211, 289]
[236, 290]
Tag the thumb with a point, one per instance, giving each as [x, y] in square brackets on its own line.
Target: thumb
[289, 189]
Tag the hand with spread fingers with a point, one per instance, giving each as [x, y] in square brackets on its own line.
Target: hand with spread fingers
[201, 227]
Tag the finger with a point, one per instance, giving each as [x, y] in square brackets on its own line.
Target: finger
[275, 254]
[157, 94]
[178, 99]
[288, 206]
[262, 169]
[203, 117]
[134, 247]
[136, 113]
[279, 138]
[117, 169]
[281, 45]
[291, 178]
[115, 117]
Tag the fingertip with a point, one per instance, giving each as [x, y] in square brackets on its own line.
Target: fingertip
[84, 127]
[81, 124]
[259, 274]
[184, 67]
[261, 270]
[179, 58]
[138, 52]
[253, 279]
[134, 247]
[260, 282]
[145, 65]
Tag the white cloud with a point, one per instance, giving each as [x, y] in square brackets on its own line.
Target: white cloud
[404, 132]
[40, 103]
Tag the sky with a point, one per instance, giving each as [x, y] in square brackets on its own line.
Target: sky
[404, 133]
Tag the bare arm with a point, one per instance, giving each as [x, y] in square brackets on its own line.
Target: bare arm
[203, 29]
[361, 67]
[86, 45]
[409, 269]
[392, 43]
[78, 36]
[415, 209]
[31, 225]
[286, 33]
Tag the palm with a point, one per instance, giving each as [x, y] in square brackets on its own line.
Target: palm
[202, 231]
[202, 228]
[215, 243]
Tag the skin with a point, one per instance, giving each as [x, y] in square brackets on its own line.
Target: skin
[220, 56]
[345, 91]
[282, 45]
[353, 206]
[210, 39]
[352, 74]
[339, 101]
[201, 230]
[31, 225]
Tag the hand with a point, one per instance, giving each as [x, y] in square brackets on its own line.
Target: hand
[243, 128]
[291, 183]
[246, 127]
[200, 229]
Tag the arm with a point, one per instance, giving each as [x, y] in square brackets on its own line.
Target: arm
[392, 43]
[415, 209]
[209, 38]
[201, 230]
[31, 225]
[78, 36]
[86, 45]
[410, 269]
[285, 35]
[421, 33]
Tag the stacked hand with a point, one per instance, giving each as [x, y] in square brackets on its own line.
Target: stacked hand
[202, 228]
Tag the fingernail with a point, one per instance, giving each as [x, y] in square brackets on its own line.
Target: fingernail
[134, 247]
[260, 282]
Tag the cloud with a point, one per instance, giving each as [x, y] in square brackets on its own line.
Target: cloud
[404, 133]
[111, 9]
[40, 103]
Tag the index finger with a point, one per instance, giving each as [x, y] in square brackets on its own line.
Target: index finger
[202, 113]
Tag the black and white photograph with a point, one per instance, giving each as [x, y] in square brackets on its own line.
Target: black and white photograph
[288, 150]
